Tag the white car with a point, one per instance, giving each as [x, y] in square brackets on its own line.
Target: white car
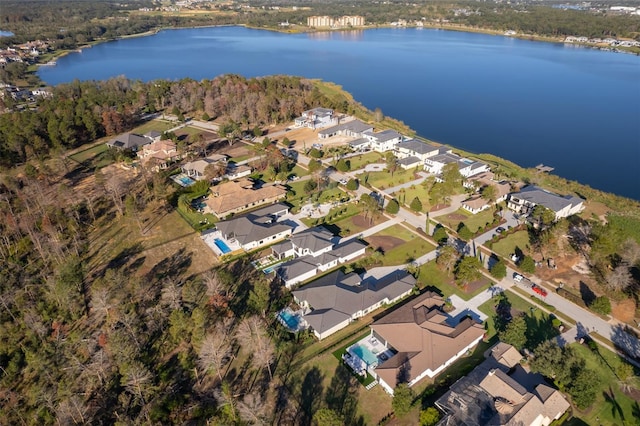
[343, 181]
[517, 277]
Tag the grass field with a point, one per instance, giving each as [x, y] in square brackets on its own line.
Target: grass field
[359, 161]
[413, 247]
[384, 180]
[506, 246]
[157, 125]
[406, 195]
[90, 153]
[612, 406]
[431, 275]
[473, 221]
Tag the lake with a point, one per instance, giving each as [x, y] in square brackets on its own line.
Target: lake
[575, 109]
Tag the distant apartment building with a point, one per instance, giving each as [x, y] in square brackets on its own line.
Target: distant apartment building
[328, 21]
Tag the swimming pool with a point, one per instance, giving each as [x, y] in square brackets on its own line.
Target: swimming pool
[224, 248]
[292, 320]
[271, 268]
[186, 181]
[364, 354]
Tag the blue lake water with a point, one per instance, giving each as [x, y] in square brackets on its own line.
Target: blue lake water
[575, 109]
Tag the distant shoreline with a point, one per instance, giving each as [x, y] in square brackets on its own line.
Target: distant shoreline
[304, 30]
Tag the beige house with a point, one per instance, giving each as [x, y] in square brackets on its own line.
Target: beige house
[159, 154]
[237, 196]
[501, 392]
[424, 340]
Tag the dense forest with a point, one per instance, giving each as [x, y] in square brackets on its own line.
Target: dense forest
[80, 112]
[79, 22]
[88, 337]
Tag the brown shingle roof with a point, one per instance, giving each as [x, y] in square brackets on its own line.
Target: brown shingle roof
[230, 196]
[424, 341]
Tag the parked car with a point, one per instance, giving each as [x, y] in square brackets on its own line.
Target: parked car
[517, 277]
[500, 230]
[343, 181]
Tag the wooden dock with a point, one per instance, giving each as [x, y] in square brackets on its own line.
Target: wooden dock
[543, 168]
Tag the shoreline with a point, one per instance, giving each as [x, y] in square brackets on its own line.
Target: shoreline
[304, 30]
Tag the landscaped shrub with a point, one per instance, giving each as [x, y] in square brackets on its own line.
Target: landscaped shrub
[464, 232]
[315, 153]
[416, 205]
[601, 305]
[310, 185]
[352, 185]
[393, 207]
[528, 265]
[498, 270]
[342, 165]
[440, 235]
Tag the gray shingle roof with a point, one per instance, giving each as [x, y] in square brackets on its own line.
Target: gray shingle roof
[337, 295]
[254, 226]
[387, 135]
[314, 239]
[408, 161]
[417, 146]
[355, 126]
[129, 141]
[358, 142]
[554, 202]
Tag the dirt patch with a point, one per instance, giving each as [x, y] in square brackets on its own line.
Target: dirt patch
[384, 242]
[360, 221]
[569, 271]
[456, 216]
[624, 310]
[633, 393]
[473, 286]
[439, 207]
[238, 149]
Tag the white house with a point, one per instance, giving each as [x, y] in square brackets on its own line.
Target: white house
[353, 128]
[529, 197]
[467, 167]
[196, 169]
[316, 118]
[256, 229]
[384, 141]
[315, 252]
[335, 300]
[412, 153]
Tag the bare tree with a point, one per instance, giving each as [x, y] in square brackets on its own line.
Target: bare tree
[171, 294]
[72, 410]
[215, 351]
[252, 335]
[137, 380]
[252, 409]
[620, 278]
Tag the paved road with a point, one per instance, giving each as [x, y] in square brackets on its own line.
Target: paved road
[586, 321]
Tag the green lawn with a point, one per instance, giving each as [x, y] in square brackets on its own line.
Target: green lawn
[413, 247]
[195, 219]
[431, 275]
[300, 197]
[338, 215]
[507, 245]
[90, 153]
[157, 125]
[538, 322]
[359, 161]
[473, 221]
[406, 195]
[299, 171]
[612, 406]
[383, 180]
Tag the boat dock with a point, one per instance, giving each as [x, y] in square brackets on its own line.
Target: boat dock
[542, 168]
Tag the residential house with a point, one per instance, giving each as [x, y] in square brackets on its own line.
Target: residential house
[467, 167]
[237, 196]
[476, 203]
[158, 154]
[314, 251]
[412, 153]
[500, 392]
[530, 196]
[256, 229]
[316, 118]
[196, 169]
[384, 141]
[335, 300]
[130, 141]
[354, 129]
[424, 339]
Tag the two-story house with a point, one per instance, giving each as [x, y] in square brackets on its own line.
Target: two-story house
[530, 196]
